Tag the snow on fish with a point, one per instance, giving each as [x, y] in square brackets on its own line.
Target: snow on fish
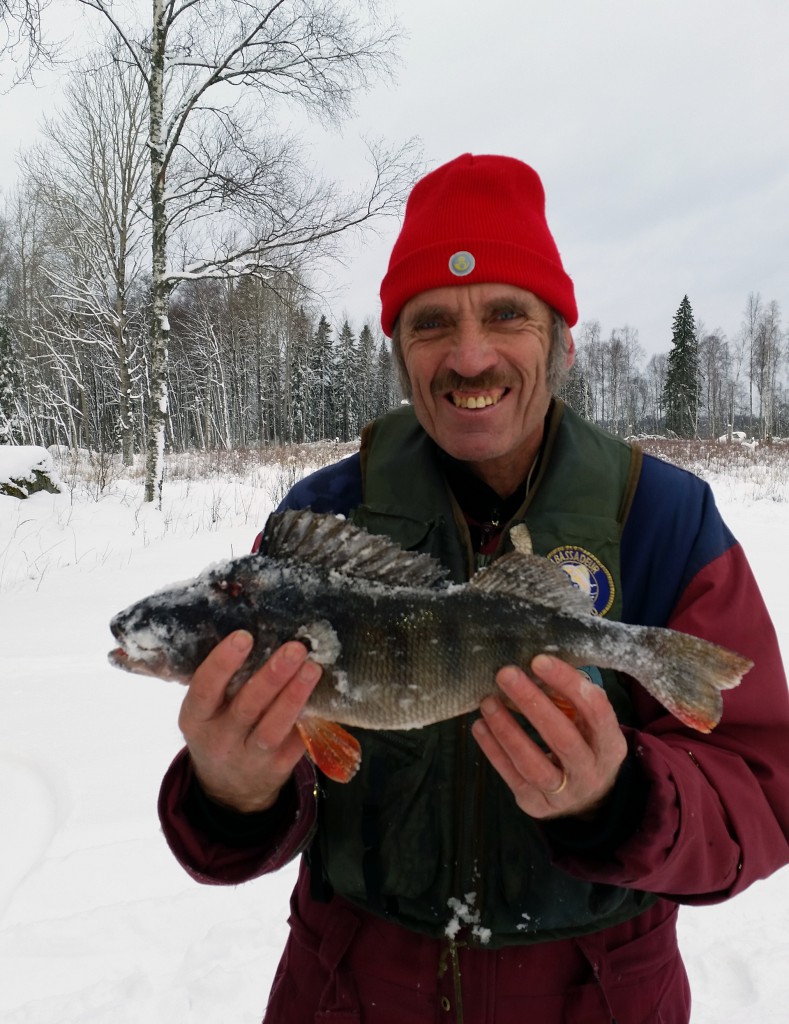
[400, 646]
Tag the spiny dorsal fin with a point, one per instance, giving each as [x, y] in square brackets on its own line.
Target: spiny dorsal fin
[327, 542]
[534, 579]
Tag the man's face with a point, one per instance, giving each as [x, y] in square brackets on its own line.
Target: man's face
[476, 356]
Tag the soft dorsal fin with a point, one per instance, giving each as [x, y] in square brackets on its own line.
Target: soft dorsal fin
[521, 539]
[534, 579]
[328, 542]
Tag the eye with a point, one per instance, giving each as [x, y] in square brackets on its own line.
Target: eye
[428, 324]
[230, 587]
[506, 315]
[425, 321]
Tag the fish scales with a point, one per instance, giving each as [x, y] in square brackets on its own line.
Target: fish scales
[417, 660]
[400, 647]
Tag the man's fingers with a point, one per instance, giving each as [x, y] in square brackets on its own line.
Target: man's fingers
[512, 753]
[552, 722]
[273, 728]
[245, 748]
[585, 750]
[206, 692]
[261, 690]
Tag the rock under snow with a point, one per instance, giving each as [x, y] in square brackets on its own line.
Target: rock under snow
[25, 469]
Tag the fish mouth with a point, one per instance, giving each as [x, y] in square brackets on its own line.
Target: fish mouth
[157, 667]
[477, 399]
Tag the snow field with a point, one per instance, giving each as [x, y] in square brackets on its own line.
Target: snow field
[98, 924]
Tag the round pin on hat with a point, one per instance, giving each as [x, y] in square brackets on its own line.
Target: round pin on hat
[461, 263]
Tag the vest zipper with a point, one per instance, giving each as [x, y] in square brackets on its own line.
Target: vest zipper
[470, 834]
[450, 952]
[454, 959]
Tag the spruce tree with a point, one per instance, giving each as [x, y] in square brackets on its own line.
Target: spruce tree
[322, 382]
[387, 387]
[682, 391]
[348, 385]
[9, 383]
[575, 392]
[365, 357]
[297, 375]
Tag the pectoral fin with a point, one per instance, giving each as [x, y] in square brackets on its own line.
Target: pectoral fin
[332, 748]
[565, 706]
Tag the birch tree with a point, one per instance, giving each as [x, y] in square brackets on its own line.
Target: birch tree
[625, 385]
[25, 230]
[226, 198]
[89, 172]
[591, 357]
[750, 330]
[767, 359]
[656, 386]
[715, 367]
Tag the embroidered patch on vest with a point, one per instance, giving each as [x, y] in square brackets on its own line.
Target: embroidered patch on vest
[588, 573]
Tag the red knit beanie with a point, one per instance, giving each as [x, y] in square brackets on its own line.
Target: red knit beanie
[477, 219]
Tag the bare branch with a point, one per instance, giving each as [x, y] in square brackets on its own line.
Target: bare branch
[22, 37]
[105, 9]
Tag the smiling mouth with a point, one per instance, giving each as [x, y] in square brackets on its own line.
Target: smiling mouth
[477, 400]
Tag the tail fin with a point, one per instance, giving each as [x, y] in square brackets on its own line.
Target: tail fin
[687, 674]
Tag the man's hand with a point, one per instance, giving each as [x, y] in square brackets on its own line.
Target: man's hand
[584, 756]
[245, 749]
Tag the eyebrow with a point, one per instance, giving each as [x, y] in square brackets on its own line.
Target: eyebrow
[425, 313]
[504, 301]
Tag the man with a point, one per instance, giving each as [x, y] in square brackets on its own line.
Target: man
[517, 864]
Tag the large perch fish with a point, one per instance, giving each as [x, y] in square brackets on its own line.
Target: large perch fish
[400, 647]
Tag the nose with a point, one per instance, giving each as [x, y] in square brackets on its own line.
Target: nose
[471, 352]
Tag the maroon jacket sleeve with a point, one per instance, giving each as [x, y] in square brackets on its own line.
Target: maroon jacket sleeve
[717, 810]
[282, 833]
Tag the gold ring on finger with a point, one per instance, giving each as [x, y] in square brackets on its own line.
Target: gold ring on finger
[560, 787]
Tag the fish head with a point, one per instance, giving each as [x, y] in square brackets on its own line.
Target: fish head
[170, 632]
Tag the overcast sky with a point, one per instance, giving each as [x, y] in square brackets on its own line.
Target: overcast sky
[660, 130]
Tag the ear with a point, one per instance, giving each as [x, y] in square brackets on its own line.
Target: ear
[568, 337]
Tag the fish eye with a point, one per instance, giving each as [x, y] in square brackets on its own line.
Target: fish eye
[230, 587]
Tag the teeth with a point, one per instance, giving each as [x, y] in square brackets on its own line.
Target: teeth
[474, 401]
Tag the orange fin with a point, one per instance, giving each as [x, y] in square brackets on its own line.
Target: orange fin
[564, 705]
[332, 748]
[561, 703]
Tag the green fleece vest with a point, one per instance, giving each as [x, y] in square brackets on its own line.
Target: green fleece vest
[427, 833]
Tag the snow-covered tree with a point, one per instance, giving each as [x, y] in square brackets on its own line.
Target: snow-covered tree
[576, 393]
[9, 387]
[230, 193]
[89, 173]
[322, 384]
[387, 384]
[365, 362]
[347, 377]
[682, 391]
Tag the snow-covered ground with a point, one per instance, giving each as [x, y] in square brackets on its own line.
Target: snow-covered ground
[98, 925]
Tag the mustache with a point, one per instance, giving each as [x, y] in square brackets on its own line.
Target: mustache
[451, 381]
